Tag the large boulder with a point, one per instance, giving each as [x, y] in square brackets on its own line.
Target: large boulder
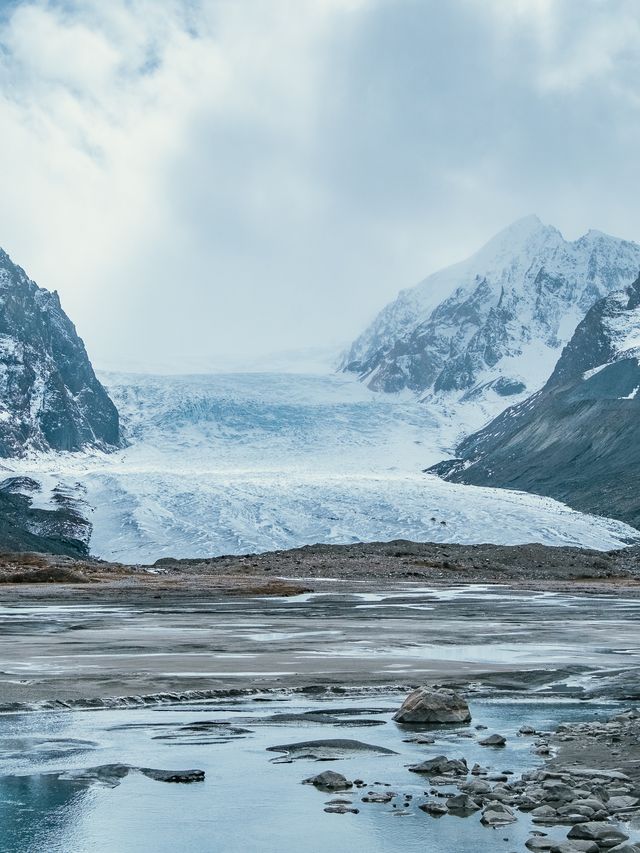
[433, 705]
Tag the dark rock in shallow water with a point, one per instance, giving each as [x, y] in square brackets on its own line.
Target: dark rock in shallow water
[434, 808]
[327, 750]
[433, 705]
[341, 810]
[174, 776]
[493, 740]
[441, 766]
[604, 834]
[111, 775]
[329, 781]
[462, 803]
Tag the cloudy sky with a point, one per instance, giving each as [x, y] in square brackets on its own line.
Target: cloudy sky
[206, 182]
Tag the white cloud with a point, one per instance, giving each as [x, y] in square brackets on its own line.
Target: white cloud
[214, 178]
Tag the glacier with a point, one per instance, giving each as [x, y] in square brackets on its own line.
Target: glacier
[244, 463]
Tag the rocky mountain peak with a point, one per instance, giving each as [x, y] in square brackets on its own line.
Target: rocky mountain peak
[492, 327]
[50, 398]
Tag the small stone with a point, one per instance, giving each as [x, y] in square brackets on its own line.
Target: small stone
[441, 766]
[538, 842]
[329, 781]
[433, 807]
[377, 797]
[462, 803]
[341, 810]
[493, 740]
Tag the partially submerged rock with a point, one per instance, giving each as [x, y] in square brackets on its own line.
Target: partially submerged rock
[326, 750]
[433, 705]
[329, 781]
[111, 775]
[441, 766]
[493, 740]
[462, 803]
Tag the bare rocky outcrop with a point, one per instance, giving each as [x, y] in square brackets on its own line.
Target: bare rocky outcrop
[50, 398]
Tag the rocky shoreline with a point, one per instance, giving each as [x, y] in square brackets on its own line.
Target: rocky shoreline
[573, 806]
[377, 563]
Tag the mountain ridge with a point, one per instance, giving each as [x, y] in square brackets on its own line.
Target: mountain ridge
[576, 439]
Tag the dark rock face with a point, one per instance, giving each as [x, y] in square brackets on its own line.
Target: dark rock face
[578, 439]
[50, 398]
[61, 530]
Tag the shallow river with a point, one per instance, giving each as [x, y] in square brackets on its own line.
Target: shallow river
[247, 802]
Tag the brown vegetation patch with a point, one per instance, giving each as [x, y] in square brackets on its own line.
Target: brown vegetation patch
[46, 574]
[274, 587]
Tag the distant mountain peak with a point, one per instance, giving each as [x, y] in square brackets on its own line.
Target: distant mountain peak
[493, 325]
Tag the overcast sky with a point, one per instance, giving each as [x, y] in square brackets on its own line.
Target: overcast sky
[209, 181]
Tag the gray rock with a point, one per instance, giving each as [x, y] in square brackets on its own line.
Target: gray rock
[542, 842]
[497, 814]
[493, 740]
[475, 786]
[379, 797]
[111, 775]
[441, 766]
[329, 781]
[576, 846]
[621, 803]
[604, 834]
[341, 810]
[329, 749]
[462, 803]
[624, 848]
[433, 807]
[433, 705]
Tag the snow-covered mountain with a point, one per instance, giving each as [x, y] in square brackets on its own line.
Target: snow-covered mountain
[49, 395]
[578, 439]
[491, 328]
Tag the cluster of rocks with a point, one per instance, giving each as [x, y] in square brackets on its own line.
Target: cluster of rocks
[588, 803]
[614, 738]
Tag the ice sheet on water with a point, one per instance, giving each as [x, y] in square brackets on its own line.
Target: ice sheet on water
[251, 462]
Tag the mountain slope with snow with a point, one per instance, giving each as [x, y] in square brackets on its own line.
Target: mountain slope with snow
[50, 398]
[578, 439]
[490, 329]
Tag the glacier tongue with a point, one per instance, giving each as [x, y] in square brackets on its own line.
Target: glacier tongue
[246, 463]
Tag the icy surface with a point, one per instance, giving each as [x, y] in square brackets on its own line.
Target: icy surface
[252, 462]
